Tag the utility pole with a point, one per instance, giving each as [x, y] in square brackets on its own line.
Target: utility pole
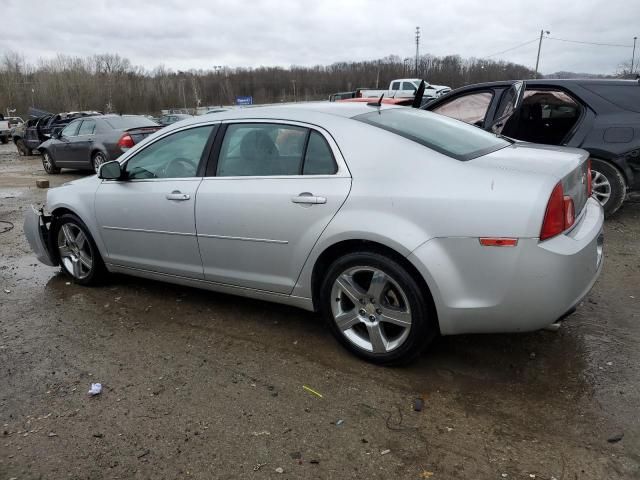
[542, 32]
[633, 55]
[295, 97]
[417, 48]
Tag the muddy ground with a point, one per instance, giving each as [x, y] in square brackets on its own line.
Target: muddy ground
[204, 385]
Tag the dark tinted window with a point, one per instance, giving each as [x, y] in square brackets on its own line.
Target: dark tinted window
[624, 96]
[129, 121]
[395, 86]
[408, 86]
[442, 134]
[318, 159]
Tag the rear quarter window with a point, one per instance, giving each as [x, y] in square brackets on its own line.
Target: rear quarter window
[444, 135]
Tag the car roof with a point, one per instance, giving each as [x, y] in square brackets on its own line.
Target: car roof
[553, 81]
[307, 112]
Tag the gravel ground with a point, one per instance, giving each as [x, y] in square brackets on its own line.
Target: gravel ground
[204, 385]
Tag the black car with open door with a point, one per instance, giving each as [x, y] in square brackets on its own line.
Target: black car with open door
[600, 116]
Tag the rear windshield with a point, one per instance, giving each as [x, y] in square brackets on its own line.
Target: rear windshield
[133, 121]
[626, 97]
[451, 137]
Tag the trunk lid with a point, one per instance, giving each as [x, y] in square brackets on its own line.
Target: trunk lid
[140, 133]
[566, 165]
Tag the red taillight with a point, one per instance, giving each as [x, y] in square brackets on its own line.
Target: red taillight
[589, 186]
[560, 214]
[125, 141]
[553, 223]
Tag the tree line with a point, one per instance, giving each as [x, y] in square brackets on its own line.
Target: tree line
[111, 83]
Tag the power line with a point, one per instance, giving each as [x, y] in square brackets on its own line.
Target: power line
[590, 43]
[512, 48]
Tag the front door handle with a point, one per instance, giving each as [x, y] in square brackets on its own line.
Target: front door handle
[178, 195]
[308, 198]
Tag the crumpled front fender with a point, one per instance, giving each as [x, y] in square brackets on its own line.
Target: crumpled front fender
[36, 229]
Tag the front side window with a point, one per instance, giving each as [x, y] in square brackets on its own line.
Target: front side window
[71, 130]
[174, 156]
[437, 132]
[470, 108]
[395, 86]
[87, 127]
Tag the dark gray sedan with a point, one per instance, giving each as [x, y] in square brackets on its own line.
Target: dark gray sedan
[86, 143]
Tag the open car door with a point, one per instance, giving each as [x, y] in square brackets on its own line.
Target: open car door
[508, 111]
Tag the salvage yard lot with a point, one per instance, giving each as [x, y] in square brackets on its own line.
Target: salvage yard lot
[205, 385]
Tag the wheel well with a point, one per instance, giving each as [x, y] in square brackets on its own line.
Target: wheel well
[613, 165]
[94, 151]
[340, 249]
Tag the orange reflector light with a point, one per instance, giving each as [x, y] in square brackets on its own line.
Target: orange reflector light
[498, 242]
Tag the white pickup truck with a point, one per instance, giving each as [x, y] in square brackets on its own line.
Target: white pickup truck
[407, 87]
[5, 131]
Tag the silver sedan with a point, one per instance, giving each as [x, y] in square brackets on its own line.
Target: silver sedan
[396, 224]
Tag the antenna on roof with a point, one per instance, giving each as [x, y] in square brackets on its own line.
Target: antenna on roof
[378, 103]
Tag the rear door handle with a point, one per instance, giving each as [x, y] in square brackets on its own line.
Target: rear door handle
[308, 198]
[177, 195]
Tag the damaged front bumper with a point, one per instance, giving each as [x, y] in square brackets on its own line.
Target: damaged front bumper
[36, 229]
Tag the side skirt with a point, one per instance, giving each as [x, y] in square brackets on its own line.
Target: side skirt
[299, 302]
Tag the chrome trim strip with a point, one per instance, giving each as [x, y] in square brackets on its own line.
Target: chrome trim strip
[223, 237]
[149, 231]
[244, 239]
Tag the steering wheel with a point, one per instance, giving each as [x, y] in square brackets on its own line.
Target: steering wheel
[179, 167]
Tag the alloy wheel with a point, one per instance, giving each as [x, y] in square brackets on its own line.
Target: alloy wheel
[46, 162]
[600, 186]
[75, 251]
[97, 161]
[371, 309]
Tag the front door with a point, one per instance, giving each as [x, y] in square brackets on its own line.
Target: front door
[275, 188]
[147, 219]
[79, 147]
[61, 147]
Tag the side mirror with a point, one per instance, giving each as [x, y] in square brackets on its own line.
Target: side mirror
[110, 170]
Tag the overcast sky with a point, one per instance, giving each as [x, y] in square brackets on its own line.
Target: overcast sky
[203, 33]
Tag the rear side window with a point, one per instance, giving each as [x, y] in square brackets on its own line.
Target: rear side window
[444, 135]
[626, 97]
[269, 149]
[395, 86]
[408, 86]
[471, 108]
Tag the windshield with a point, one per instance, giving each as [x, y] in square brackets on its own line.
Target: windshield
[133, 121]
[445, 135]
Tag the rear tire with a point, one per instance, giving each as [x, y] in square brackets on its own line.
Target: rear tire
[77, 251]
[376, 309]
[97, 160]
[609, 186]
[47, 163]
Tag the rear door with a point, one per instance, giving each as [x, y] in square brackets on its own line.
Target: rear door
[506, 117]
[146, 220]
[264, 203]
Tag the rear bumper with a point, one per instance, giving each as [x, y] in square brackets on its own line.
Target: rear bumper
[512, 289]
[37, 233]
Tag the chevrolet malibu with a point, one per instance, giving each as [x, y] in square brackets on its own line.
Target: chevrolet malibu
[396, 224]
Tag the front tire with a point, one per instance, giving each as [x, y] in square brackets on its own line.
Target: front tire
[22, 148]
[376, 309]
[47, 163]
[608, 184]
[77, 251]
